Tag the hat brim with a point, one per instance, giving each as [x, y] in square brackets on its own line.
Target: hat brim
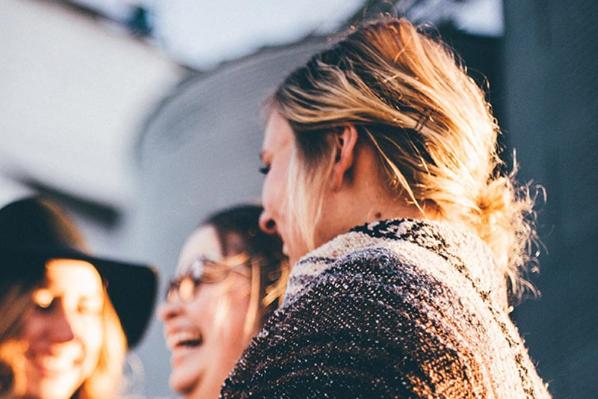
[132, 288]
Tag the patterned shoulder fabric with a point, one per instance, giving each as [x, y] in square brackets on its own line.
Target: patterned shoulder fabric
[392, 309]
[364, 331]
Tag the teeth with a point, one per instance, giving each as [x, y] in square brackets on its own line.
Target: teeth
[179, 338]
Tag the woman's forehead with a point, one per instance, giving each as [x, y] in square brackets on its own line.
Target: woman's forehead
[203, 242]
[73, 276]
[277, 135]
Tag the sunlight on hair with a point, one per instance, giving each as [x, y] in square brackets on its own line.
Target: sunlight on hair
[105, 381]
[413, 102]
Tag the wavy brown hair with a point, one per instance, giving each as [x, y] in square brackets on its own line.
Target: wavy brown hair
[15, 304]
[412, 101]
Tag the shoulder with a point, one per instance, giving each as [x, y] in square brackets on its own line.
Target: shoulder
[379, 276]
[362, 329]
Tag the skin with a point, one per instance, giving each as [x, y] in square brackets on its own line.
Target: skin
[353, 182]
[63, 334]
[217, 313]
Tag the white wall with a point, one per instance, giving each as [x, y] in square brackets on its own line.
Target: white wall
[73, 95]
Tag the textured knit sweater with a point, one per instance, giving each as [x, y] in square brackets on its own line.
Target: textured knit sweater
[392, 309]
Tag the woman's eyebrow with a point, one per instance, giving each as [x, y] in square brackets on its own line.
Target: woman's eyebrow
[92, 296]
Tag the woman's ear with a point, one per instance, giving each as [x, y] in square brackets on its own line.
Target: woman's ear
[345, 147]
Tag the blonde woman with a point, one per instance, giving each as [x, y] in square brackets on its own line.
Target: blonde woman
[229, 281]
[78, 319]
[404, 238]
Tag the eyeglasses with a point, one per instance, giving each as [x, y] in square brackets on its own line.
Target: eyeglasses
[202, 271]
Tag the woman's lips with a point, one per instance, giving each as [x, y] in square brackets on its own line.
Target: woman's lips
[185, 351]
[181, 341]
[184, 339]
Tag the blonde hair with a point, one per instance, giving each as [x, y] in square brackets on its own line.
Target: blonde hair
[414, 104]
[265, 293]
[105, 380]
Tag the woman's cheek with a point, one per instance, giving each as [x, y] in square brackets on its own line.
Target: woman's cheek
[92, 338]
[271, 196]
[205, 309]
[231, 307]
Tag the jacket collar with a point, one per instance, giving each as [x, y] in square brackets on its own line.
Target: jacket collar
[457, 246]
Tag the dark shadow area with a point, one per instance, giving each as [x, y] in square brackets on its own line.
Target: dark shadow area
[552, 119]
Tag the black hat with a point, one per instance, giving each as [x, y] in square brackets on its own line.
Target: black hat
[33, 231]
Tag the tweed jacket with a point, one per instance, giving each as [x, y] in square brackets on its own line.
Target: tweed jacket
[392, 309]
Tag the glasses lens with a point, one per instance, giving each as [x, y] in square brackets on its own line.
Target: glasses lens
[207, 271]
[212, 272]
[182, 289]
[186, 289]
[202, 271]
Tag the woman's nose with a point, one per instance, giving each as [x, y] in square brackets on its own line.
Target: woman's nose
[267, 223]
[169, 310]
[61, 327]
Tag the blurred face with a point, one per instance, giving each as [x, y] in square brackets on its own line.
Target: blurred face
[63, 334]
[204, 321]
[276, 154]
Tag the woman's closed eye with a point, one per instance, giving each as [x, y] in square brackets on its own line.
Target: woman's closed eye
[89, 307]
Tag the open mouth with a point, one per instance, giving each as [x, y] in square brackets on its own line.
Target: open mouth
[185, 339]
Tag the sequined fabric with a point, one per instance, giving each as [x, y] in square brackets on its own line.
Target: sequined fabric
[392, 309]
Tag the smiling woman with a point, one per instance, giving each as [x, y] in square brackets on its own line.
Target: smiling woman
[75, 328]
[66, 331]
[229, 280]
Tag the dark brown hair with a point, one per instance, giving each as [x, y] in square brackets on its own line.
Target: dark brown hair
[238, 232]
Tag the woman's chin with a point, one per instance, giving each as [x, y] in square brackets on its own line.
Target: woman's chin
[49, 381]
[191, 386]
[185, 378]
[50, 390]
[192, 380]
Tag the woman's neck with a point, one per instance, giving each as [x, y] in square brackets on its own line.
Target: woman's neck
[352, 208]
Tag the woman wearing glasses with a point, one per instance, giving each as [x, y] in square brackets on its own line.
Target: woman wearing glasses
[230, 276]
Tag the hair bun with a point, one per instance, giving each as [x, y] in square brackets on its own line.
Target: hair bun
[506, 222]
[494, 201]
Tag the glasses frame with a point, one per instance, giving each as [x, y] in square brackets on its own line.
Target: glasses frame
[195, 276]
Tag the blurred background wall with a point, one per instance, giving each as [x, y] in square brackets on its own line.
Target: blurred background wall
[551, 111]
[142, 116]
